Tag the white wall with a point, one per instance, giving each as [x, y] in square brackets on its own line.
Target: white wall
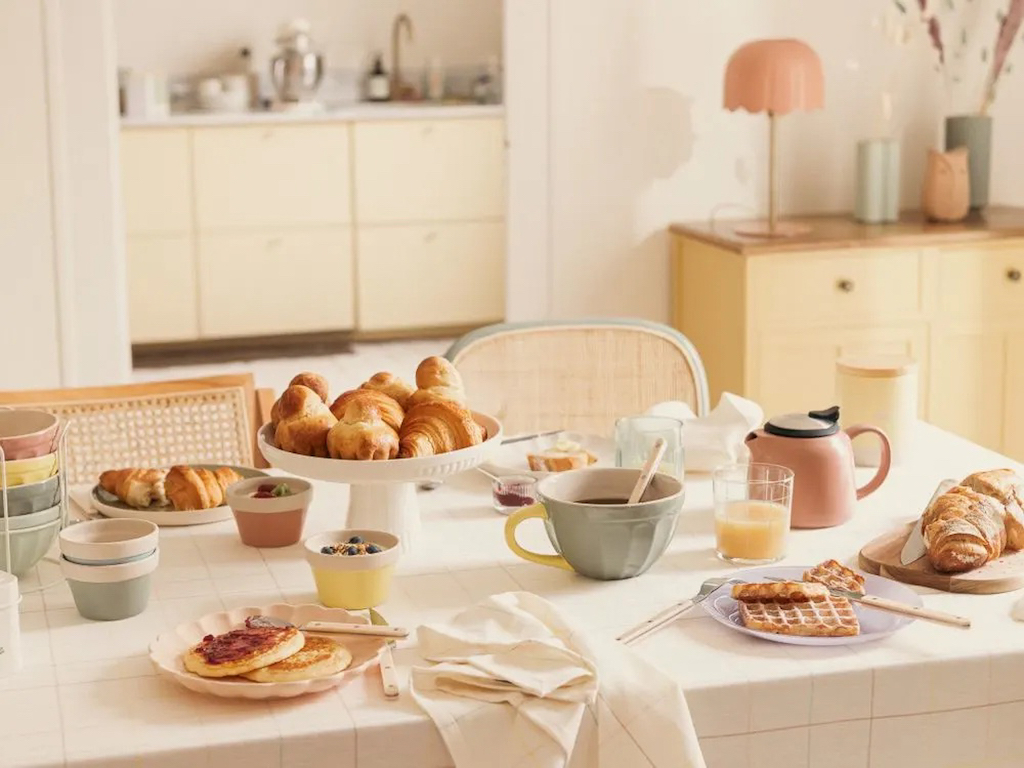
[183, 36]
[637, 137]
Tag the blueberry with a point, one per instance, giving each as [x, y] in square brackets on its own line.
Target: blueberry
[356, 540]
[351, 551]
[373, 549]
[326, 550]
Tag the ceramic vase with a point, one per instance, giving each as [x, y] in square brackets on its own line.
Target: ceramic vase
[946, 193]
[878, 181]
[975, 133]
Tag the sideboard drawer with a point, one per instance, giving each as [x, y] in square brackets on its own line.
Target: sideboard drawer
[982, 283]
[829, 287]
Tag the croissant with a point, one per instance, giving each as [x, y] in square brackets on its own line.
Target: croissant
[304, 422]
[437, 426]
[362, 433]
[390, 385]
[963, 529]
[314, 381]
[437, 379]
[1006, 487]
[387, 407]
[198, 487]
[136, 487]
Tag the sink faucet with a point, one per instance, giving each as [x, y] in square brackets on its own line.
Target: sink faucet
[397, 86]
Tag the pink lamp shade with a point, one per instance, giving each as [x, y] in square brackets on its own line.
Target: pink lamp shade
[777, 76]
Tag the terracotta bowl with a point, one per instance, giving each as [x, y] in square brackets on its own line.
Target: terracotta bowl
[26, 434]
[275, 522]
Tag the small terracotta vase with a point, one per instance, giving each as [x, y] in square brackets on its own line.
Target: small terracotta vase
[946, 193]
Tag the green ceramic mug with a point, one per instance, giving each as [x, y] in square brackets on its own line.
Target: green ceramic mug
[593, 530]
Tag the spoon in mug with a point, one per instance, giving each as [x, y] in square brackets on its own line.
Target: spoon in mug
[648, 470]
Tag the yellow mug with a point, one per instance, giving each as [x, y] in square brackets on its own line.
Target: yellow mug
[593, 530]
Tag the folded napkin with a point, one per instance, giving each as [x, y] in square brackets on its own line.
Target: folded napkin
[515, 685]
[715, 439]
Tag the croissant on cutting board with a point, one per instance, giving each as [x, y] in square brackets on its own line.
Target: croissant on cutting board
[975, 522]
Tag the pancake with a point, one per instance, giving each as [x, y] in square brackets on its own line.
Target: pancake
[242, 650]
[319, 657]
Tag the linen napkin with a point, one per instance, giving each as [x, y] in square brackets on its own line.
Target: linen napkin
[515, 685]
[715, 439]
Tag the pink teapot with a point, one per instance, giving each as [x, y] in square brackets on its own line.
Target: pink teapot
[821, 457]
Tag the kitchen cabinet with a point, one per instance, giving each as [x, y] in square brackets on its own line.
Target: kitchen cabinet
[275, 281]
[156, 177]
[430, 275]
[261, 176]
[770, 317]
[162, 301]
[436, 170]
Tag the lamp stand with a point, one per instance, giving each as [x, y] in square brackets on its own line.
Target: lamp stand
[773, 227]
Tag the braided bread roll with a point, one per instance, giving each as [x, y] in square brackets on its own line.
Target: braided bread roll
[963, 529]
[304, 422]
[437, 379]
[362, 433]
[390, 385]
[313, 381]
[437, 426]
[387, 407]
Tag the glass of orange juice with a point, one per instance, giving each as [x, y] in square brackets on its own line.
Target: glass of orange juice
[752, 508]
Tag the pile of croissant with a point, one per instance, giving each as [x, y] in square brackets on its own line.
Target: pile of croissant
[385, 418]
[186, 488]
[975, 522]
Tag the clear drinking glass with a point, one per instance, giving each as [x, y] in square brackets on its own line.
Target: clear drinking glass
[635, 435]
[753, 503]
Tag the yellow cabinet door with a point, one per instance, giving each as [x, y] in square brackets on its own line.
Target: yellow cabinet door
[1013, 425]
[414, 171]
[272, 175]
[983, 283]
[269, 282]
[430, 276]
[795, 371]
[968, 382]
[156, 180]
[161, 289]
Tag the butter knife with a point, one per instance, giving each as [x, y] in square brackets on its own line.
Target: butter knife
[894, 606]
[331, 627]
[522, 438]
[388, 673]
[914, 548]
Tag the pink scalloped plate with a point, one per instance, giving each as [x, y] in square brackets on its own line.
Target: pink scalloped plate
[166, 651]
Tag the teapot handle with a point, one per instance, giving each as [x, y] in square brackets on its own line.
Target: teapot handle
[883, 466]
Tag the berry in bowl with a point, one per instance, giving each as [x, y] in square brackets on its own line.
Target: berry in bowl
[352, 569]
[269, 512]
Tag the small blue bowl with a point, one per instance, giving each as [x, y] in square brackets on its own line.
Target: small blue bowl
[114, 561]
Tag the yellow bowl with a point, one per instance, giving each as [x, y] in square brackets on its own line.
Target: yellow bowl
[25, 471]
[352, 581]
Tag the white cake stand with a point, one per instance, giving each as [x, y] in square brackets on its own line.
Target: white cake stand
[383, 493]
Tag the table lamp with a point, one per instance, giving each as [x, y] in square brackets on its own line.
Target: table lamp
[777, 77]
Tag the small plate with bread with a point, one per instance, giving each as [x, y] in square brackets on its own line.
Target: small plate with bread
[182, 495]
[547, 454]
[226, 654]
[794, 604]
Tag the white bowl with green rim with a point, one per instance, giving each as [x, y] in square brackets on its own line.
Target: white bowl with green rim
[111, 592]
[108, 542]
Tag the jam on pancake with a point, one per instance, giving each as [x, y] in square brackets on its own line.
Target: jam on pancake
[240, 644]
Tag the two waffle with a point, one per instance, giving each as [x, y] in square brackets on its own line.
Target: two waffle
[805, 607]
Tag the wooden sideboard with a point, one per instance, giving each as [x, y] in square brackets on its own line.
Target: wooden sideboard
[770, 317]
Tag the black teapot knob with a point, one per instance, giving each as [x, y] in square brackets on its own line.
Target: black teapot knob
[829, 414]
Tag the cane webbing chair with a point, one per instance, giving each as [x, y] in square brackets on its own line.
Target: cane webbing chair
[577, 375]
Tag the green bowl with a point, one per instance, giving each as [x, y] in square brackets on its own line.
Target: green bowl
[34, 497]
[28, 545]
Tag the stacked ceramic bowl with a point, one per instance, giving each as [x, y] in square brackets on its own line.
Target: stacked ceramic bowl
[29, 443]
[109, 566]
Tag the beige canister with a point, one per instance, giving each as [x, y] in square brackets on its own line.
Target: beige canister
[881, 391]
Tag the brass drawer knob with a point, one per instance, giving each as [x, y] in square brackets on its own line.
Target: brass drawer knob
[1013, 275]
[846, 286]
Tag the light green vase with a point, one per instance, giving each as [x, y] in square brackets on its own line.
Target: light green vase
[878, 181]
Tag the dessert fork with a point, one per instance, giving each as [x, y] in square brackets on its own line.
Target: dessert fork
[673, 612]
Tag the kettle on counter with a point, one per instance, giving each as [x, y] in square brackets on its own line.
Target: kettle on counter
[820, 455]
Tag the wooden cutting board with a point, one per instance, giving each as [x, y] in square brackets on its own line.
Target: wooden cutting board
[881, 557]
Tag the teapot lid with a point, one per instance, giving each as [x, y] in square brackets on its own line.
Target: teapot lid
[812, 424]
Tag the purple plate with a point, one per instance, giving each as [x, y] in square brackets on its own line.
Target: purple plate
[874, 624]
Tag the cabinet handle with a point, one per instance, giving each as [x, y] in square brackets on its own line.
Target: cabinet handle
[1013, 275]
[268, 135]
[427, 130]
[274, 242]
[430, 237]
[846, 286]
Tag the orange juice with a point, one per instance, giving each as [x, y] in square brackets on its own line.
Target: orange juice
[751, 530]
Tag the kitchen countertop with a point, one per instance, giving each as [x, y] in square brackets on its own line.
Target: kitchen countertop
[361, 111]
[927, 696]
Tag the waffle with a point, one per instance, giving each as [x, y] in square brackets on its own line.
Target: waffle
[826, 617]
[779, 591]
[834, 574]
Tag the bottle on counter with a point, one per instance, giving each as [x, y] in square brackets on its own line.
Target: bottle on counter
[378, 83]
[252, 77]
[435, 79]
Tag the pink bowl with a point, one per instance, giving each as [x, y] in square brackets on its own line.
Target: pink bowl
[26, 434]
[276, 522]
